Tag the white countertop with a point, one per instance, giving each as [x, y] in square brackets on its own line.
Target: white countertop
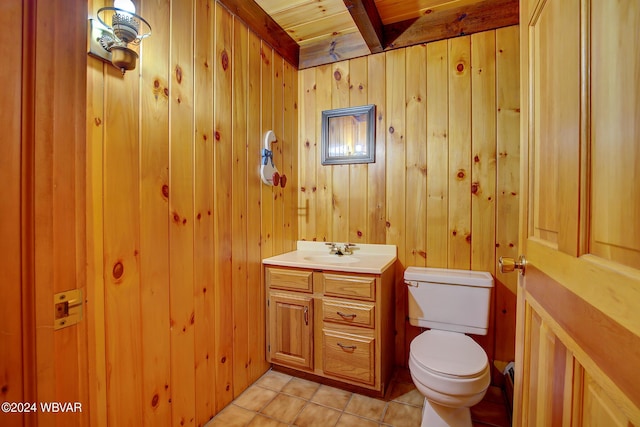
[366, 258]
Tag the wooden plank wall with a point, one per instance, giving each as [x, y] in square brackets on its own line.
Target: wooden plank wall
[179, 219]
[444, 187]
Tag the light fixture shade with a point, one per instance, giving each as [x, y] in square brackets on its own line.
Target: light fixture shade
[125, 26]
[117, 29]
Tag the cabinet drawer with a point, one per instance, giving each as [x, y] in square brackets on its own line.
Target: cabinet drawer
[349, 356]
[348, 313]
[297, 280]
[358, 287]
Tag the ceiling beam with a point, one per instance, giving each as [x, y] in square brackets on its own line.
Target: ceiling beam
[365, 15]
[265, 27]
[437, 25]
[338, 48]
[449, 23]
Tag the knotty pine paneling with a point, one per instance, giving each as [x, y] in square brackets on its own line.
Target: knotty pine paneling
[395, 180]
[255, 307]
[222, 192]
[358, 173]
[446, 173]
[289, 163]
[459, 152]
[416, 167]
[376, 189]
[239, 227]
[204, 304]
[121, 224]
[437, 163]
[180, 219]
[154, 233]
[507, 186]
[483, 163]
[267, 122]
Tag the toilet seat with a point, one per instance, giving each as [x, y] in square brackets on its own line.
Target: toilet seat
[449, 368]
[449, 354]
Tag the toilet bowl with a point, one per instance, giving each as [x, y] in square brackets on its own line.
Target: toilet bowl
[452, 372]
[448, 367]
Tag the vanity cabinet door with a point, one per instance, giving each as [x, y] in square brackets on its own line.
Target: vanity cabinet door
[291, 330]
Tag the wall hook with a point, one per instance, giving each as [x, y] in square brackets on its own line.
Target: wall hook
[268, 171]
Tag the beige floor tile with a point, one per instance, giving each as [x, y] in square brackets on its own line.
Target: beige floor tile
[301, 388]
[274, 380]
[348, 420]
[317, 416]
[232, 416]
[402, 415]
[366, 407]
[284, 408]
[255, 398]
[280, 400]
[262, 421]
[333, 397]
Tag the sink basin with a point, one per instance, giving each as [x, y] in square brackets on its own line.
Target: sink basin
[369, 258]
[332, 259]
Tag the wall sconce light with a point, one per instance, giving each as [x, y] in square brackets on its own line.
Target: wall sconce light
[116, 28]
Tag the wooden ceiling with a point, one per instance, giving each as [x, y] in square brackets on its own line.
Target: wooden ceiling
[308, 33]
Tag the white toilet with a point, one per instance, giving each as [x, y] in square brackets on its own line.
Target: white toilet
[449, 368]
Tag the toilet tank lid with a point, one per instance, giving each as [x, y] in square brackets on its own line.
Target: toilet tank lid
[452, 277]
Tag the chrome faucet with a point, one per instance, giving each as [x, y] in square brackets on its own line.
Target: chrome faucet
[336, 249]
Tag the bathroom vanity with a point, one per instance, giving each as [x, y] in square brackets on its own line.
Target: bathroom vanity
[332, 316]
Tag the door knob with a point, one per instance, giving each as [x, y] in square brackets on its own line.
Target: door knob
[507, 264]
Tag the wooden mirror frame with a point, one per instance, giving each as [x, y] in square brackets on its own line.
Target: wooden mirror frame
[331, 118]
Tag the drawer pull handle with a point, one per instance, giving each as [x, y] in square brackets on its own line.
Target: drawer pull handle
[346, 347]
[344, 315]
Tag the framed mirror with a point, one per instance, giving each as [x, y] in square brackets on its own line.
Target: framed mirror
[348, 135]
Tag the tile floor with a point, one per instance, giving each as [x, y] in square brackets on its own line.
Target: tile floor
[281, 400]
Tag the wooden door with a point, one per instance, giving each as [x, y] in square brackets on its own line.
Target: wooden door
[578, 328]
[43, 371]
[291, 330]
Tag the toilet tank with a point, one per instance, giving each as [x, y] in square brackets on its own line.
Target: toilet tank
[449, 300]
